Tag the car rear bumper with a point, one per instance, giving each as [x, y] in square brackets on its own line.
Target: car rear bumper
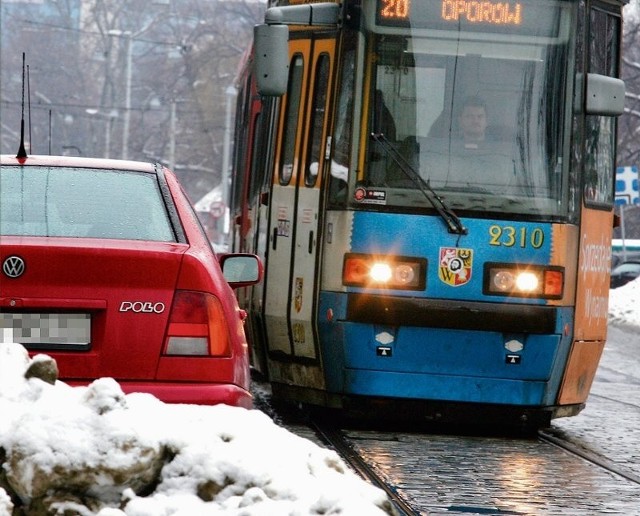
[195, 394]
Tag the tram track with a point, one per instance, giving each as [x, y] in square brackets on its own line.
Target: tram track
[381, 458]
[610, 399]
[600, 452]
[565, 469]
[589, 455]
[333, 438]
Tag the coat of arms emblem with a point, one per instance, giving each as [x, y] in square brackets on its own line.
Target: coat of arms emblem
[454, 267]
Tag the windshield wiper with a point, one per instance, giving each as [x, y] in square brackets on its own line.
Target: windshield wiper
[452, 221]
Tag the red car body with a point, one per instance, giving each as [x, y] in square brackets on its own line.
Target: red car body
[157, 312]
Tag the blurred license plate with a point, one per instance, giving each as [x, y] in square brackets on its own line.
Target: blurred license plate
[46, 331]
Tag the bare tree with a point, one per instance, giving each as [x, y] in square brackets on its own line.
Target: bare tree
[168, 105]
[629, 123]
[55, 76]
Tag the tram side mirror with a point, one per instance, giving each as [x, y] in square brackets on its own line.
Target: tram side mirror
[604, 95]
[271, 64]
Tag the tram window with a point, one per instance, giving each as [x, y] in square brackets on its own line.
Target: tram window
[315, 159]
[291, 119]
[600, 131]
[604, 37]
[516, 165]
[343, 125]
[240, 137]
[257, 159]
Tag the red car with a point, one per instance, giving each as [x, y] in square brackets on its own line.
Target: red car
[105, 267]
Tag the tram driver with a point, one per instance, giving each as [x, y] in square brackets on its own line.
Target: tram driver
[473, 122]
[478, 159]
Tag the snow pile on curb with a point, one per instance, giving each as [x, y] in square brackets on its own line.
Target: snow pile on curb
[96, 451]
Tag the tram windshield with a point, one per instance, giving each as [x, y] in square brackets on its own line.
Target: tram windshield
[470, 99]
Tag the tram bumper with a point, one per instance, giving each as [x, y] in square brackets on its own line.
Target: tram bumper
[442, 351]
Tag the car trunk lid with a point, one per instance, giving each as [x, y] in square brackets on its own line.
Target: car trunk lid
[117, 293]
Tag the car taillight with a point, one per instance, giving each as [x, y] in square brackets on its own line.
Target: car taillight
[197, 326]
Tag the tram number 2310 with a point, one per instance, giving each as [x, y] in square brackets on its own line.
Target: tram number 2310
[510, 236]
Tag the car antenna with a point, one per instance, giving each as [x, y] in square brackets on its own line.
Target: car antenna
[22, 153]
[29, 107]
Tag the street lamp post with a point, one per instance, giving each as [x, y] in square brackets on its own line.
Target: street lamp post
[127, 100]
[172, 135]
[108, 126]
[231, 94]
[128, 36]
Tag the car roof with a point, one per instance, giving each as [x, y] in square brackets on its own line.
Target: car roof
[78, 162]
[628, 262]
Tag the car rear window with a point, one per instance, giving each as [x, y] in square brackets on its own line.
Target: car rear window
[82, 202]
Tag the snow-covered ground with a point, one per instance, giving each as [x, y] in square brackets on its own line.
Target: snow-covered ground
[265, 470]
[624, 304]
[238, 460]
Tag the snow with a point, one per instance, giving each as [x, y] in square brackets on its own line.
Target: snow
[631, 11]
[624, 304]
[265, 469]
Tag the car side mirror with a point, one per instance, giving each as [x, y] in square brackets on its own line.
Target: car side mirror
[241, 269]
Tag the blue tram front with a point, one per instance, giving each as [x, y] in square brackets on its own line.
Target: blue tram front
[432, 195]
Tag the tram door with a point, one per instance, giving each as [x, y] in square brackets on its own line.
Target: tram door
[295, 202]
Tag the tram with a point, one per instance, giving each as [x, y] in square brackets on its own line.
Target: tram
[430, 184]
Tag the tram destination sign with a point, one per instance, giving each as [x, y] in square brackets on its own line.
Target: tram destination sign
[511, 17]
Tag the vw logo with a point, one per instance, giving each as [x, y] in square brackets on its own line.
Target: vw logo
[13, 266]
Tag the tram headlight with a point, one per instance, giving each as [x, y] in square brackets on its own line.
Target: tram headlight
[527, 281]
[391, 272]
[380, 272]
[503, 281]
[523, 280]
